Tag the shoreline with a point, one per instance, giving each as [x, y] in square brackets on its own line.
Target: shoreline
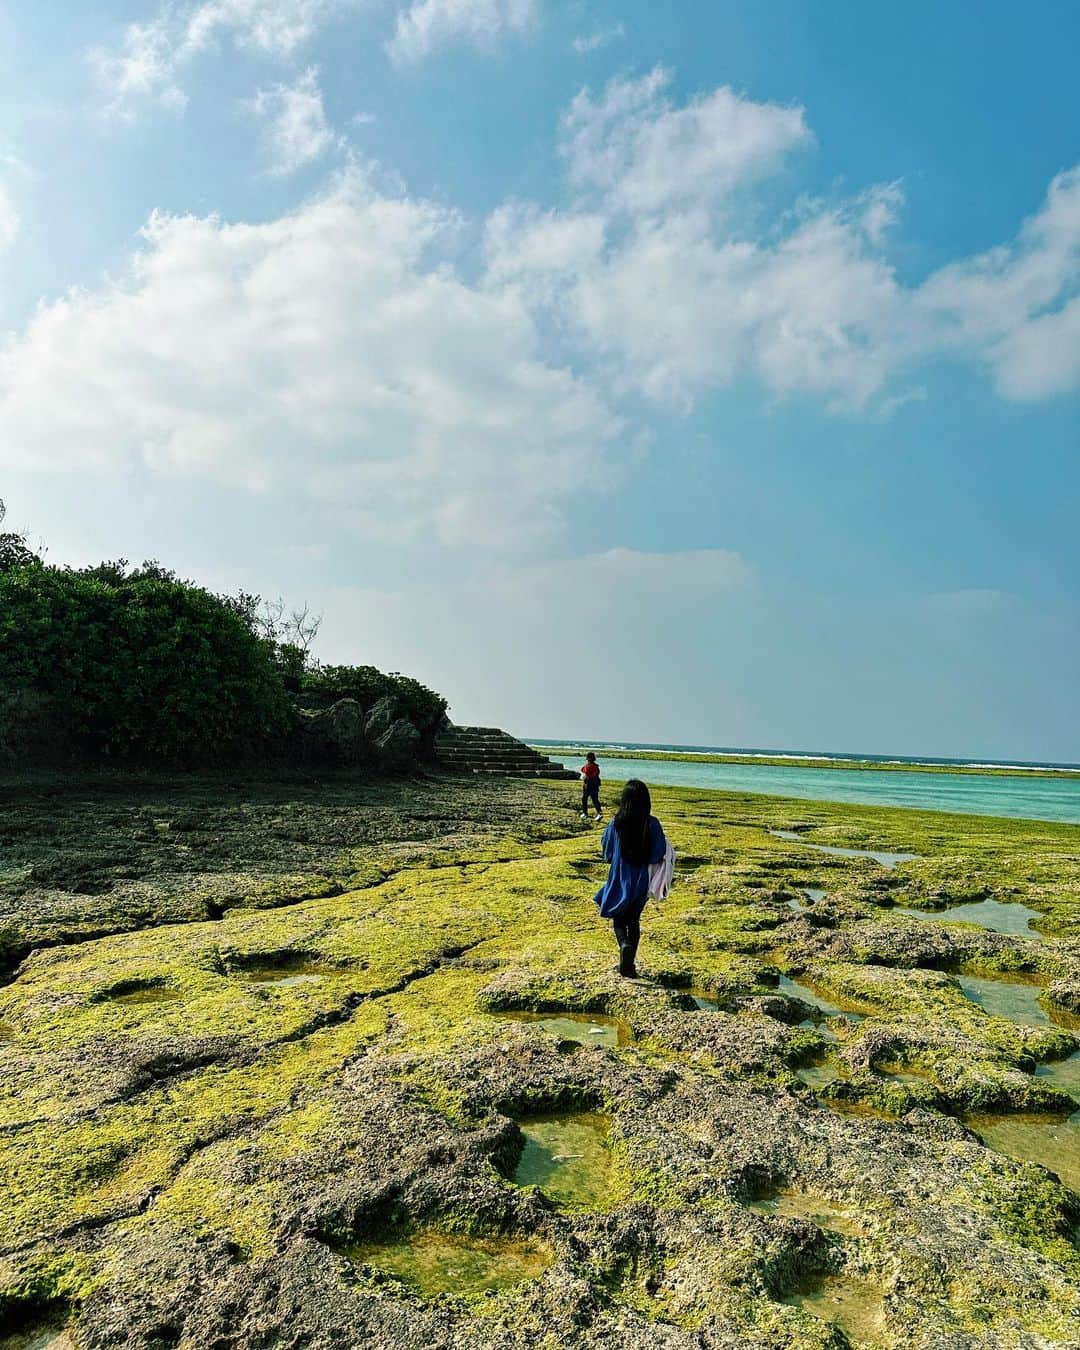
[810, 762]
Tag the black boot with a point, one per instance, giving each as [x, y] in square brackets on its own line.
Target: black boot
[627, 953]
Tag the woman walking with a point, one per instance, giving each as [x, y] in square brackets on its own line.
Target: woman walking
[632, 843]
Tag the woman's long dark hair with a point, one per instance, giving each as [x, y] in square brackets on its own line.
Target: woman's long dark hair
[632, 822]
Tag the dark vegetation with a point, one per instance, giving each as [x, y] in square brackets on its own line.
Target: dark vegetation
[124, 664]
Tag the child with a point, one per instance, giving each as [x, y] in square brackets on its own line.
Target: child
[590, 787]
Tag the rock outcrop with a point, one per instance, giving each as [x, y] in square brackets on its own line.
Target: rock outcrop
[346, 733]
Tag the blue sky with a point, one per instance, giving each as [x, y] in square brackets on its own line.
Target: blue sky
[620, 369]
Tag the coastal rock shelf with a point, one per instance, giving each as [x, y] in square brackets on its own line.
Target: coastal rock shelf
[354, 1065]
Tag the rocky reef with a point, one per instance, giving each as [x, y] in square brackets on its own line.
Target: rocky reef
[325, 1065]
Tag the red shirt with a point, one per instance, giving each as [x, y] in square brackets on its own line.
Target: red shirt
[590, 771]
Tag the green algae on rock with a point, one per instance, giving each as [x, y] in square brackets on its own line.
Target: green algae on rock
[188, 1171]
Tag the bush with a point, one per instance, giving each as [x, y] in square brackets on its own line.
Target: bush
[326, 684]
[139, 664]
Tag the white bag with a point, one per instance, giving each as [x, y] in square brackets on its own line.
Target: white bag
[662, 874]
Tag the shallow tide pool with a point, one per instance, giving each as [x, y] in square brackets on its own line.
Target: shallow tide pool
[582, 1028]
[569, 1157]
[433, 1262]
[1015, 998]
[999, 917]
[853, 1305]
[889, 860]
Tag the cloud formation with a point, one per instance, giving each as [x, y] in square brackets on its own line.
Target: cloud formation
[297, 132]
[1017, 307]
[9, 216]
[667, 271]
[601, 37]
[350, 351]
[332, 352]
[424, 25]
[645, 154]
[147, 65]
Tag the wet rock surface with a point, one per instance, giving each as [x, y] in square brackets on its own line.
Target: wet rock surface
[304, 1119]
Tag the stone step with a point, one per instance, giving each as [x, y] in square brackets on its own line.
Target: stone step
[496, 765]
[471, 752]
[487, 743]
[489, 750]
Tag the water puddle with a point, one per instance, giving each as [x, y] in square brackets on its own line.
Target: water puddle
[704, 1002]
[148, 993]
[1013, 997]
[800, 989]
[904, 1073]
[285, 975]
[999, 917]
[852, 1305]
[570, 1159]
[1063, 1073]
[818, 1076]
[433, 1262]
[791, 1204]
[581, 1028]
[45, 1336]
[1053, 1143]
[885, 859]
[808, 895]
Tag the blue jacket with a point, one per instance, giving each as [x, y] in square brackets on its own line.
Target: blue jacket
[627, 884]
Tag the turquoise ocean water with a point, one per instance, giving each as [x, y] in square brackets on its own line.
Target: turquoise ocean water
[1029, 798]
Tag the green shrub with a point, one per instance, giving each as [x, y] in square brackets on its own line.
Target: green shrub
[326, 684]
[139, 664]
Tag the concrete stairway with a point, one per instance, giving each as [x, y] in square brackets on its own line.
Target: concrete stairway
[489, 750]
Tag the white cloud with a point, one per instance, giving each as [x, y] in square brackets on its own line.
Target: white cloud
[682, 312]
[528, 246]
[9, 216]
[428, 24]
[645, 154]
[671, 273]
[1017, 307]
[148, 63]
[332, 352]
[143, 69]
[279, 27]
[602, 37]
[657, 279]
[298, 132]
[13, 168]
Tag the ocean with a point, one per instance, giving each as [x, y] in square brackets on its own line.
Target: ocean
[1023, 797]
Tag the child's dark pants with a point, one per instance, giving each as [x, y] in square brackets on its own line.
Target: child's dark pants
[590, 789]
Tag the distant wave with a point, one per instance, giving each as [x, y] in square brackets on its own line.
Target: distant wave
[818, 756]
